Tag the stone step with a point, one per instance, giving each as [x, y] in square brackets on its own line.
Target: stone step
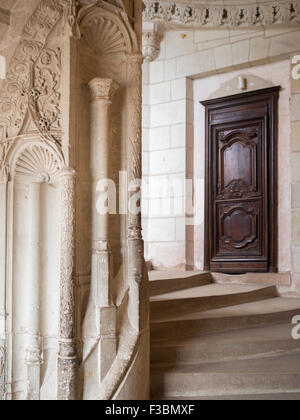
[277, 374]
[275, 279]
[206, 297]
[235, 345]
[272, 396]
[266, 312]
[169, 281]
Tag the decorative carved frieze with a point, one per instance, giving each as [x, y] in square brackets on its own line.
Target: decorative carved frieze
[268, 13]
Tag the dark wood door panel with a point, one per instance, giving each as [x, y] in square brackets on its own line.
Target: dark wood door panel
[238, 151]
[241, 184]
[239, 229]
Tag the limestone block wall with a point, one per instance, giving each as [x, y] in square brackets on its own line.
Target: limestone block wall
[188, 63]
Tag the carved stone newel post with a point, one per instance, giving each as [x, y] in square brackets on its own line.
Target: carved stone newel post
[68, 359]
[134, 158]
[101, 93]
[3, 247]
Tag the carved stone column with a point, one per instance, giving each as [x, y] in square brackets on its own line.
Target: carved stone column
[102, 92]
[33, 351]
[68, 358]
[3, 244]
[134, 159]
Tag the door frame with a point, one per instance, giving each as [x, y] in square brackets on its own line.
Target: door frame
[269, 97]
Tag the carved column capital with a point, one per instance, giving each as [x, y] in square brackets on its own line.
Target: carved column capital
[102, 89]
[151, 44]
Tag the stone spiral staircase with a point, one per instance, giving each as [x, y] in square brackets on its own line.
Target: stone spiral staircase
[221, 341]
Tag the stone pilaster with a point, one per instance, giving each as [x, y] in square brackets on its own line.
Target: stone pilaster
[34, 352]
[68, 358]
[134, 159]
[101, 94]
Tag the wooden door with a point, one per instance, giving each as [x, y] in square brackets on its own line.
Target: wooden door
[241, 183]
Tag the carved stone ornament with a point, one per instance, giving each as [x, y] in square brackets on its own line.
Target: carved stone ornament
[103, 37]
[39, 162]
[102, 89]
[2, 372]
[196, 15]
[33, 78]
[151, 44]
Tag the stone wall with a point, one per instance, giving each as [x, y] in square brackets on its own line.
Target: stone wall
[188, 60]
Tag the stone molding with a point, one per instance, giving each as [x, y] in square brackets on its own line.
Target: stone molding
[198, 15]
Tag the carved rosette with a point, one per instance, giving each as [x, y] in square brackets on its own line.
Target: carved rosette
[196, 15]
[151, 44]
[102, 89]
[68, 359]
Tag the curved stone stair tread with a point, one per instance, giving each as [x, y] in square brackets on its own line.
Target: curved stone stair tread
[248, 315]
[285, 396]
[162, 282]
[207, 297]
[209, 290]
[272, 364]
[270, 374]
[275, 305]
[259, 334]
[232, 345]
[166, 275]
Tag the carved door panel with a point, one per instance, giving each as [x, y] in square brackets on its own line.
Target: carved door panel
[241, 226]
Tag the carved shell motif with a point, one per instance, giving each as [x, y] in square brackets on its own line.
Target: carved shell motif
[103, 37]
[38, 162]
